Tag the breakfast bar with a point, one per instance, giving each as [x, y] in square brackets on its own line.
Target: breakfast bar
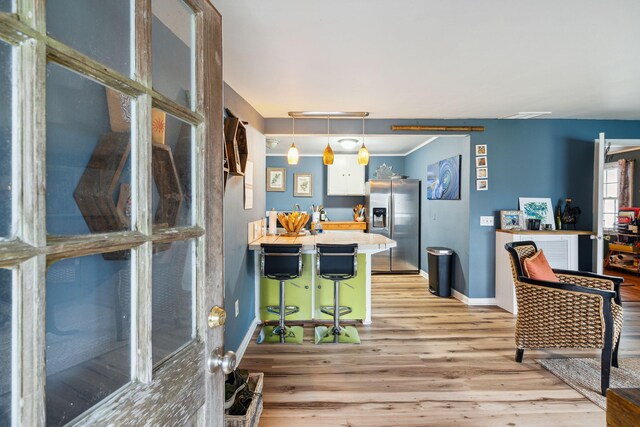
[309, 292]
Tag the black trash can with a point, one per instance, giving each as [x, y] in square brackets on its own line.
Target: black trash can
[440, 271]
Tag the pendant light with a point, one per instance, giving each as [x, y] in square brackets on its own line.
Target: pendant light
[293, 154]
[327, 156]
[363, 153]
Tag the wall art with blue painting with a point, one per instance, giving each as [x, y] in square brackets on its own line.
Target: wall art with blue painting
[443, 179]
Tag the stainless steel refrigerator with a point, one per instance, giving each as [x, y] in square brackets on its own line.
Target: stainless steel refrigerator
[394, 211]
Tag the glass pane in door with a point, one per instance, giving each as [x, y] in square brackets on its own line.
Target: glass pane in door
[5, 138]
[88, 325]
[172, 177]
[6, 5]
[5, 345]
[97, 28]
[88, 155]
[172, 50]
[173, 296]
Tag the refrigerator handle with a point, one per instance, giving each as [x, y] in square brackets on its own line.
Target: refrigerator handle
[390, 214]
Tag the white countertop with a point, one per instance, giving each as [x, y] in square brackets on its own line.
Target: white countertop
[367, 242]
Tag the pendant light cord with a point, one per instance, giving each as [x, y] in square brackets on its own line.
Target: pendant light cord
[328, 139]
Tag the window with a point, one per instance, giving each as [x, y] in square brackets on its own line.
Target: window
[610, 202]
[5, 139]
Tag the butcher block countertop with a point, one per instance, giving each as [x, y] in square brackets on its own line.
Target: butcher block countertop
[343, 225]
[366, 242]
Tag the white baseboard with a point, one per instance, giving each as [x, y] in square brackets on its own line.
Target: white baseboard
[246, 340]
[462, 297]
[472, 301]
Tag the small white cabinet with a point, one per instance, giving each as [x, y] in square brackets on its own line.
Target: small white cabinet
[560, 248]
[345, 177]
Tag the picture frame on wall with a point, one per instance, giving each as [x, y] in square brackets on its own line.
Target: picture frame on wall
[482, 173]
[302, 185]
[276, 179]
[482, 184]
[512, 220]
[481, 150]
[481, 162]
[443, 179]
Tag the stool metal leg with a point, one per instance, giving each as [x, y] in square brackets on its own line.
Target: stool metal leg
[285, 334]
[337, 334]
[281, 329]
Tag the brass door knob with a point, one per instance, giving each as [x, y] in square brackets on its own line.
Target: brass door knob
[217, 317]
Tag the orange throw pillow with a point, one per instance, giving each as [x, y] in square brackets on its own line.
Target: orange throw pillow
[537, 267]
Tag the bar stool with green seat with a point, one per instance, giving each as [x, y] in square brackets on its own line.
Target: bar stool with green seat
[282, 263]
[337, 263]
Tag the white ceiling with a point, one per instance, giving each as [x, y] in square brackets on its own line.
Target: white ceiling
[435, 58]
[314, 145]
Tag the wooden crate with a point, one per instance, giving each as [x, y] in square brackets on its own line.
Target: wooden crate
[252, 417]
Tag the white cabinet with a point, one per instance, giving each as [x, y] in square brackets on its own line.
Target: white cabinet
[560, 249]
[345, 177]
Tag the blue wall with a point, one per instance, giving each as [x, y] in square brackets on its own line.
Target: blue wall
[397, 164]
[444, 222]
[239, 273]
[534, 158]
[539, 157]
[338, 208]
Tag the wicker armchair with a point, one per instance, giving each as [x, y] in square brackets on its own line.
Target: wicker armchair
[580, 310]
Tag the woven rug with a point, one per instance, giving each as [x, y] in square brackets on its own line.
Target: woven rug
[583, 375]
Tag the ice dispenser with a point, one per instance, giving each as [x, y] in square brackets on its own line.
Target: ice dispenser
[379, 217]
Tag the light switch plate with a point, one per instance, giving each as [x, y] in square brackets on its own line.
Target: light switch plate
[237, 307]
[486, 221]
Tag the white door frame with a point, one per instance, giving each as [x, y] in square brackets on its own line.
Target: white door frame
[598, 193]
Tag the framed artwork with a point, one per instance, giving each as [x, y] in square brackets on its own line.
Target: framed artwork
[512, 220]
[248, 185]
[443, 179]
[302, 185]
[481, 150]
[276, 179]
[482, 184]
[538, 208]
[481, 162]
[482, 173]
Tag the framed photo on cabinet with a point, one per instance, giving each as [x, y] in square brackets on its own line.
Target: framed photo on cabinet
[512, 220]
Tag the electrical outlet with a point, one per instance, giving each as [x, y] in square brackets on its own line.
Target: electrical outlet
[486, 221]
[237, 308]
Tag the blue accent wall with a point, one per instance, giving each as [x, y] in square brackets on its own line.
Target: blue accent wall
[534, 158]
[239, 270]
[338, 208]
[444, 222]
[397, 164]
[526, 158]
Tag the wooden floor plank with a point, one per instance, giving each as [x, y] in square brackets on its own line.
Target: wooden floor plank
[425, 361]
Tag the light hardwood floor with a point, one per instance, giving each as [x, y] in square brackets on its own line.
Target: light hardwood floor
[425, 361]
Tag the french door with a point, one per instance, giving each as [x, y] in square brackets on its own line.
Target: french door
[110, 212]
